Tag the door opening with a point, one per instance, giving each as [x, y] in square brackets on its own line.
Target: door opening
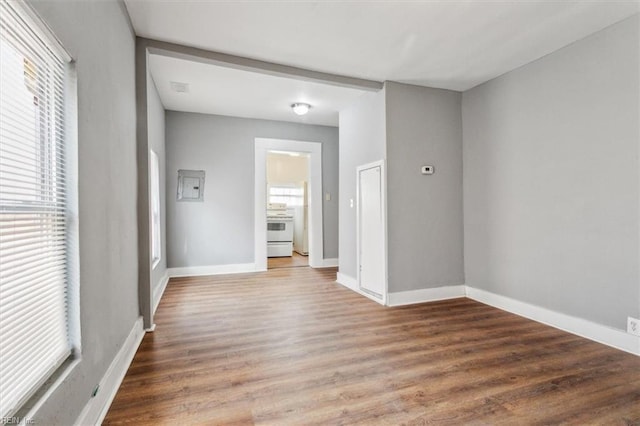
[288, 196]
[287, 209]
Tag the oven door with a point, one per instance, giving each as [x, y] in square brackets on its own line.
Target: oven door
[279, 230]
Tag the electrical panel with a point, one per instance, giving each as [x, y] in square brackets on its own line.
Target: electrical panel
[190, 185]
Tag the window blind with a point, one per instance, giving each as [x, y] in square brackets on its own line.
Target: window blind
[34, 339]
[292, 196]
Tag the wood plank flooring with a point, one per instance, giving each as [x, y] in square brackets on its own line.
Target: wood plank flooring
[294, 261]
[291, 347]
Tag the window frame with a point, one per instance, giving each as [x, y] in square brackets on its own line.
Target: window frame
[296, 194]
[154, 210]
[28, 21]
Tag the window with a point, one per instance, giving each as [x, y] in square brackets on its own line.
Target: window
[34, 207]
[156, 235]
[291, 195]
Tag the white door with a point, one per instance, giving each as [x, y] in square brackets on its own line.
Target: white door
[371, 230]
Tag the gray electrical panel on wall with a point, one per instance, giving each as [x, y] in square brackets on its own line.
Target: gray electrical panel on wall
[190, 185]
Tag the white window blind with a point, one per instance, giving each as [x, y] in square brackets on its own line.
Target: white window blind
[292, 196]
[34, 339]
[156, 237]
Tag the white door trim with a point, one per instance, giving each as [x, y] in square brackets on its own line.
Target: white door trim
[383, 195]
[314, 149]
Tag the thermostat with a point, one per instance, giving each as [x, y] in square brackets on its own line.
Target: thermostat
[426, 170]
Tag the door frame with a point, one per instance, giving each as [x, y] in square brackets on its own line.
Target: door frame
[383, 200]
[314, 149]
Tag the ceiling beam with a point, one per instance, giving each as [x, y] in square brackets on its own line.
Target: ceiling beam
[195, 54]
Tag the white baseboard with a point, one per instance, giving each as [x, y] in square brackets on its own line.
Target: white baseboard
[347, 281]
[329, 263]
[192, 271]
[584, 328]
[159, 289]
[590, 330]
[426, 295]
[352, 284]
[96, 409]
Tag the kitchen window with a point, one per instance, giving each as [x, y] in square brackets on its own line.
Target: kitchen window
[38, 238]
[291, 195]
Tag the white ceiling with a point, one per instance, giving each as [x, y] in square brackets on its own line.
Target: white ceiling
[447, 44]
[227, 91]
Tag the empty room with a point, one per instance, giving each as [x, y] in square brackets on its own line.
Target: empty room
[319, 212]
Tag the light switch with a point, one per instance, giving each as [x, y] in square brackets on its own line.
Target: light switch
[351, 202]
[327, 196]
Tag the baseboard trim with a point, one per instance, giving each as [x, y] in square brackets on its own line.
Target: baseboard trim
[609, 336]
[352, 284]
[329, 263]
[347, 281]
[593, 331]
[590, 330]
[158, 291]
[193, 271]
[97, 407]
[423, 295]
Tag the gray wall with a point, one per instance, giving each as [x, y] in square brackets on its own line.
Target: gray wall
[424, 213]
[156, 129]
[98, 36]
[551, 180]
[362, 140]
[220, 230]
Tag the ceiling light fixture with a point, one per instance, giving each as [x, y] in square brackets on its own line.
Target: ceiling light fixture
[300, 108]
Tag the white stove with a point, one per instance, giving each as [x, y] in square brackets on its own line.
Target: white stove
[279, 230]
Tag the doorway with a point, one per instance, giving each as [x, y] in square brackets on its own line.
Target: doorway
[313, 152]
[287, 209]
[371, 229]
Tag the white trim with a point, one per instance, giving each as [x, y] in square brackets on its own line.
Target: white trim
[423, 295]
[159, 289]
[329, 263]
[193, 271]
[352, 284]
[581, 327]
[589, 330]
[96, 409]
[260, 208]
[155, 228]
[314, 149]
[383, 201]
[347, 281]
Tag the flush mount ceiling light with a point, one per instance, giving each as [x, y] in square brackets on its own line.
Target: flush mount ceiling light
[300, 108]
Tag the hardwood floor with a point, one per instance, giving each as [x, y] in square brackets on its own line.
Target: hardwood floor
[296, 260]
[291, 347]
